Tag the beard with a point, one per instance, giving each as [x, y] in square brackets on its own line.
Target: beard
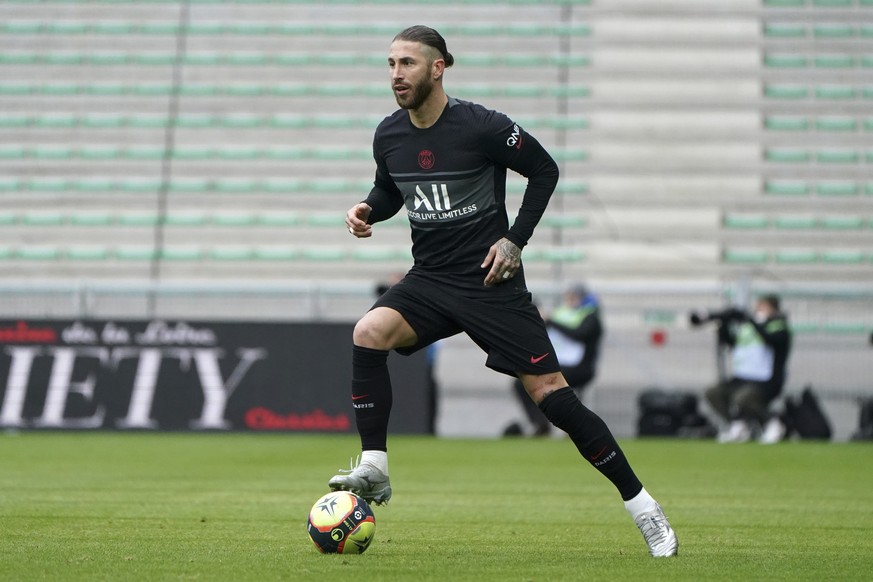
[416, 95]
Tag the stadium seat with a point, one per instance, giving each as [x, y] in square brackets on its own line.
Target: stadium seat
[843, 256]
[842, 222]
[796, 256]
[785, 155]
[840, 188]
[276, 253]
[787, 187]
[37, 253]
[87, 253]
[786, 123]
[745, 256]
[230, 253]
[795, 222]
[745, 221]
[833, 123]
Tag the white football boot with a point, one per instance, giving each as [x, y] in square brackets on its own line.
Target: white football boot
[659, 536]
[364, 480]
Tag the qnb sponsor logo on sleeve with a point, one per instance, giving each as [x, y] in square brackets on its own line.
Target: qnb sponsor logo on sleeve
[515, 138]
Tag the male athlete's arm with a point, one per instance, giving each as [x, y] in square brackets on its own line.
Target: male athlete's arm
[509, 145]
[382, 203]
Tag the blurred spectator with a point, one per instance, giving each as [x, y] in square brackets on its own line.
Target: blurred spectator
[759, 348]
[575, 329]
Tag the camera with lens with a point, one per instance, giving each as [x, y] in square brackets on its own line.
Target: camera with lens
[722, 317]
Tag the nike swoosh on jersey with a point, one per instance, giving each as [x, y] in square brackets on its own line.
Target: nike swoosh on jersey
[534, 360]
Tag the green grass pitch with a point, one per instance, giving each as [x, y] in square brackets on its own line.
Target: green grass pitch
[113, 506]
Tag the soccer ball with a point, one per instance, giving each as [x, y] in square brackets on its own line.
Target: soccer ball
[341, 523]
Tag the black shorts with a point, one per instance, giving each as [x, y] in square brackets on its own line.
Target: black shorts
[502, 320]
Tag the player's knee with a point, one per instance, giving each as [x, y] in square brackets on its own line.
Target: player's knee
[369, 334]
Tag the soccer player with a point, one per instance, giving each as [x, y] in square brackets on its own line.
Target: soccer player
[445, 160]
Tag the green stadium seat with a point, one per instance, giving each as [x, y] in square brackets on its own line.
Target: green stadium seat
[11, 152]
[833, 3]
[837, 188]
[796, 256]
[854, 327]
[189, 186]
[21, 27]
[91, 219]
[786, 123]
[135, 253]
[185, 219]
[843, 256]
[10, 184]
[780, 30]
[234, 219]
[835, 92]
[16, 89]
[564, 221]
[7, 218]
[102, 121]
[241, 186]
[837, 156]
[794, 156]
[55, 121]
[48, 184]
[37, 253]
[784, 3]
[833, 30]
[326, 220]
[375, 254]
[561, 255]
[282, 186]
[836, 124]
[135, 219]
[323, 254]
[795, 222]
[139, 186]
[785, 61]
[50, 152]
[276, 253]
[834, 61]
[866, 30]
[842, 222]
[6, 252]
[99, 152]
[181, 253]
[59, 89]
[94, 185]
[278, 219]
[113, 27]
[42, 219]
[87, 253]
[231, 253]
[745, 221]
[787, 187]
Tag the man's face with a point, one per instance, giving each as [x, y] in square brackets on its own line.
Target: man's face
[410, 70]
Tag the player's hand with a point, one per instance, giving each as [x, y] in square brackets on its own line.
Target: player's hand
[356, 220]
[504, 258]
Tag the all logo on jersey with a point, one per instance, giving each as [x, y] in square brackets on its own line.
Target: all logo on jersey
[426, 159]
[515, 138]
[440, 198]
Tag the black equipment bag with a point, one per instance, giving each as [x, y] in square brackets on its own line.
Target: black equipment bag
[804, 415]
[865, 422]
[666, 413]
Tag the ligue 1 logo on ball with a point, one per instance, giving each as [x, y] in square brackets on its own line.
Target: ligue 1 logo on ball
[426, 159]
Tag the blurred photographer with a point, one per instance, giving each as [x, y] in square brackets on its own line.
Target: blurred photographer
[759, 347]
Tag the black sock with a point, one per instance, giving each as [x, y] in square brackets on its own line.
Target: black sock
[593, 439]
[371, 396]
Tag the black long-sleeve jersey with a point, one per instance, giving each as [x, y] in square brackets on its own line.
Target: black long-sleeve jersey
[451, 178]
